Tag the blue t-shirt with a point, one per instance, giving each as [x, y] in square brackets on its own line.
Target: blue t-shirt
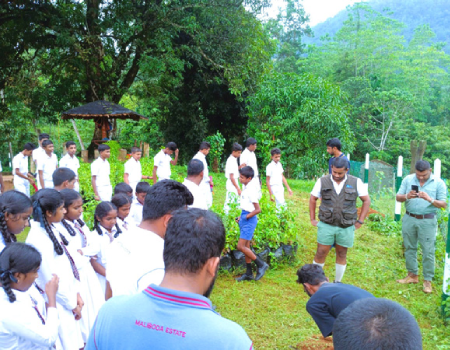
[161, 319]
[330, 161]
[328, 302]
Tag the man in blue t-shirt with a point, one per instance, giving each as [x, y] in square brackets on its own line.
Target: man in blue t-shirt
[177, 314]
[334, 149]
[327, 299]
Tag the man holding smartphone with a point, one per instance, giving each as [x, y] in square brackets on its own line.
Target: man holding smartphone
[423, 195]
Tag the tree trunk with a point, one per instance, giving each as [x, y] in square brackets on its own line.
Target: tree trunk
[215, 167]
[417, 153]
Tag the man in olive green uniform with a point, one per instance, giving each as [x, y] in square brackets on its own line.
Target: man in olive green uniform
[419, 224]
[337, 213]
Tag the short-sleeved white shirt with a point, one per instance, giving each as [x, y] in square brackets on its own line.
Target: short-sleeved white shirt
[249, 195]
[162, 161]
[249, 158]
[48, 164]
[20, 162]
[197, 193]
[70, 162]
[101, 169]
[231, 168]
[37, 153]
[201, 157]
[136, 212]
[134, 170]
[275, 171]
[135, 260]
[362, 189]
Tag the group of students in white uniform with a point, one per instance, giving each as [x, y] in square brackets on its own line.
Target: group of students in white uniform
[54, 285]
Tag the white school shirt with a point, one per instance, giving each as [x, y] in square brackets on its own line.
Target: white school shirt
[136, 212]
[162, 161]
[126, 224]
[197, 193]
[249, 158]
[70, 162]
[103, 242]
[201, 157]
[134, 170]
[135, 261]
[231, 167]
[362, 189]
[52, 263]
[48, 165]
[101, 169]
[20, 325]
[2, 243]
[20, 162]
[275, 171]
[249, 195]
[91, 246]
[37, 153]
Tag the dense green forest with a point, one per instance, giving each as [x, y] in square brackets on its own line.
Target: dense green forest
[198, 67]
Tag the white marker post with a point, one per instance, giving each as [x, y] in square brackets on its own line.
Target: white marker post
[398, 182]
[437, 175]
[348, 156]
[366, 171]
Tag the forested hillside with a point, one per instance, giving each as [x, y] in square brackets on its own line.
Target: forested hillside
[413, 13]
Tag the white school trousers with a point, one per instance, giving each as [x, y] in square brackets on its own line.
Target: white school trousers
[278, 192]
[105, 193]
[23, 187]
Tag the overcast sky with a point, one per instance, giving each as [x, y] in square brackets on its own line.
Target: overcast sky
[318, 10]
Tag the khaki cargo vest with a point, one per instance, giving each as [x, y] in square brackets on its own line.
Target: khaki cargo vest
[338, 210]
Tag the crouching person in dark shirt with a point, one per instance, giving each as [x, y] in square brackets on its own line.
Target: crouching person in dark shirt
[177, 314]
[327, 299]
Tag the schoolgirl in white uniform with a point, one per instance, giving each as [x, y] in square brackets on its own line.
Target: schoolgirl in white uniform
[79, 238]
[15, 211]
[123, 205]
[25, 323]
[105, 230]
[48, 210]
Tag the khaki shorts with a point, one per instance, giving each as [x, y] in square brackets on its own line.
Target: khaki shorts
[327, 235]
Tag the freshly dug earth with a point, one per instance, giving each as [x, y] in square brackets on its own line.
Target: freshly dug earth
[371, 211]
[316, 342]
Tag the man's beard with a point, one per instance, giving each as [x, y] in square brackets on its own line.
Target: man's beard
[211, 287]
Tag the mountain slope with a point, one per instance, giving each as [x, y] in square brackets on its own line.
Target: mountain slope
[412, 13]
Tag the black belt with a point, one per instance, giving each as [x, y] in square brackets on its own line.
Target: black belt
[426, 216]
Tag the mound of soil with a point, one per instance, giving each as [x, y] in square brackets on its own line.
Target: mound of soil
[371, 211]
[316, 342]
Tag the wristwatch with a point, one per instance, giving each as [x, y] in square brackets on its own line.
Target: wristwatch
[360, 222]
[432, 201]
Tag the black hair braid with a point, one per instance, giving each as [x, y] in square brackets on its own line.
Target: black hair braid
[96, 226]
[81, 222]
[58, 249]
[119, 231]
[6, 284]
[68, 228]
[7, 236]
[64, 239]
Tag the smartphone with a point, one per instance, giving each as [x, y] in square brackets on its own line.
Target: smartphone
[415, 188]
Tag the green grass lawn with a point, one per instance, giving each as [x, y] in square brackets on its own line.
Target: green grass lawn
[272, 310]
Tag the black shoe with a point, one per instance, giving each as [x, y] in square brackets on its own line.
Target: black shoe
[261, 271]
[245, 277]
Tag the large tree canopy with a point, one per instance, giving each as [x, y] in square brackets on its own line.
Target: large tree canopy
[94, 49]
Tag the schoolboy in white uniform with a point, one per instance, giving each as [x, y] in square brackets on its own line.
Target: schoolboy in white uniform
[100, 170]
[275, 179]
[71, 161]
[248, 158]
[232, 175]
[39, 151]
[47, 164]
[204, 149]
[138, 205]
[162, 161]
[135, 260]
[133, 170]
[20, 169]
[194, 184]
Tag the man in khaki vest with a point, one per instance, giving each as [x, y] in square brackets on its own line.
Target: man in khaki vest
[337, 213]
